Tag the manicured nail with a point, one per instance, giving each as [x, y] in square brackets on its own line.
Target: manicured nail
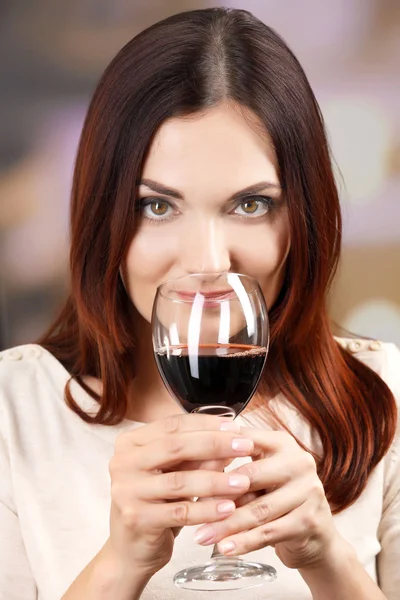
[226, 507]
[226, 547]
[239, 481]
[242, 445]
[204, 536]
[230, 426]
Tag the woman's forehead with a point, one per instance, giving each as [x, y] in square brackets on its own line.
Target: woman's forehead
[220, 143]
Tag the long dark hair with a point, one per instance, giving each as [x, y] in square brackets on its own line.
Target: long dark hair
[187, 63]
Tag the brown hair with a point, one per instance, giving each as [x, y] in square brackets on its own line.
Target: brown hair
[184, 64]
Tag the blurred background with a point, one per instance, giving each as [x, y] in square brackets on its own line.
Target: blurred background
[53, 53]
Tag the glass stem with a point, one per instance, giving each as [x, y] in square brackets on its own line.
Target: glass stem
[216, 553]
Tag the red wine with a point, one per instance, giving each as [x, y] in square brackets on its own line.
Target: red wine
[218, 376]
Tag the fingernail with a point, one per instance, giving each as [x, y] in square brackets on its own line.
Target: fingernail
[239, 481]
[226, 507]
[203, 536]
[230, 426]
[226, 547]
[242, 445]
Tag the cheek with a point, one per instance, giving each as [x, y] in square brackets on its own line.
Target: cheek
[147, 264]
[146, 258]
[263, 255]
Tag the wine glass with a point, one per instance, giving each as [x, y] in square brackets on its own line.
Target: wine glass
[210, 339]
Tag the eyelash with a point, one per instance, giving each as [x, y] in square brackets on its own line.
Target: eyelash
[267, 201]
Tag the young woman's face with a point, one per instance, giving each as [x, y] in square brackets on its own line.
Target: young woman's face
[210, 201]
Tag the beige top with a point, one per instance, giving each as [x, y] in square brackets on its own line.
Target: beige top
[55, 490]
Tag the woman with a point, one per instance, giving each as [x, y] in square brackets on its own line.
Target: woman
[203, 150]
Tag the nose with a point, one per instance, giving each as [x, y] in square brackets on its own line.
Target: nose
[205, 249]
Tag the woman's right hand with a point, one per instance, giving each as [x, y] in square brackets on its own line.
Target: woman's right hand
[155, 476]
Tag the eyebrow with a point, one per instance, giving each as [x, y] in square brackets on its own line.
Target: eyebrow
[155, 186]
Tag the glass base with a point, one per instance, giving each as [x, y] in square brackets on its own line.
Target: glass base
[225, 573]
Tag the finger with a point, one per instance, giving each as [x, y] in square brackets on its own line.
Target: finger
[206, 465]
[268, 441]
[246, 498]
[298, 525]
[268, 473]
[180, 447]
[231, 496]
[153, 517]
[278, 469]
[239, 498]
[188, 484]
[260, 511]
[173, 424]
[215, 465]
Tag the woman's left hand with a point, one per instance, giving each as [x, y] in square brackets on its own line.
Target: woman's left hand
[285, 507]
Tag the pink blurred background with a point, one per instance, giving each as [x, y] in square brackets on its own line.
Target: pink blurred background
[53, 52]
